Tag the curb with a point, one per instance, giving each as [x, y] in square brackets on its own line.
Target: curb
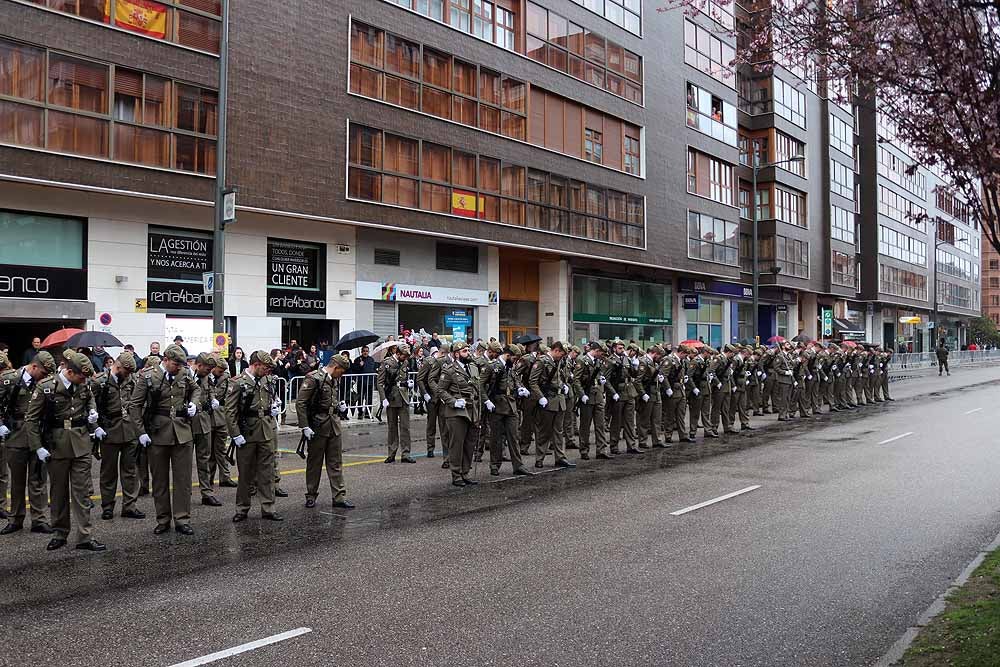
[896, 651]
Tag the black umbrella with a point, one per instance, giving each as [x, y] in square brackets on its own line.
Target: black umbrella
[356, 339]
[802, 338]
[528, 339]
[92, 339]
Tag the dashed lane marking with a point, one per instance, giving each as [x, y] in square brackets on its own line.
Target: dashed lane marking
[243, 648]
[692, 508]
[895, 438]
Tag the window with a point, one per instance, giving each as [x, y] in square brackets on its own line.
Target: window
[708, 53]
[750, 143]
[955, 266]
[789, 103]
[902, 283]
[710, 177]
[785, 147]
[901, 246]
[994, 283]
[193, 23]
[841, 179]
[712, 239]
[41, 240]
[633, 157]
[790, 207]
[790, 255]
[956, 295]
[383, 167]
[624, 13]
[901, 209]
[842, 135]
[561, 44]
[711, 115]
[842, 224]
[706, 323]
[480, 18]
[843, 269]
[949, 204]
[907, 175]
[455, 257]
[994, 265]
[386, 257]
[593, 146]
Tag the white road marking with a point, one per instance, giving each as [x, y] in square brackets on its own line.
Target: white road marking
[341, 516]
[903, 435]
[243, 648]
[973, 410]
[715, 500]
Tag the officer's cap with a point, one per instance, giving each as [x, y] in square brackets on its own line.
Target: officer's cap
[151, 360]
[655, 349]
[46, 361]
[126, 361]
[729, 347]
[595, 345]
[403, 348]
[205, 359]
[175, 353]
[339, 360]
[710, 349]
[458, 346]
[495, 347]
[78, 362]
[445, 348]
[262, 357]
[221, 363]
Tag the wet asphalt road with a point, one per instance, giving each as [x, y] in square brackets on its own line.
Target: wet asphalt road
[843, 545]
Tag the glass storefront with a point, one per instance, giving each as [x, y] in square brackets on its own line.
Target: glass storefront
[705, 324]
[451, 322]
[744, 322]
[606, 308]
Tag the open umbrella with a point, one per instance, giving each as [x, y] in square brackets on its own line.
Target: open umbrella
[355, 339]
[528, 339]
[848, 343]
[802, 338]
[692, 343]
[59, 338]
[378, 354]
[93, 339]
[776, 339]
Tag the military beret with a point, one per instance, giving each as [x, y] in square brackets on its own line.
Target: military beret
[151, 360]
[656, 349]
[729, 347]
[633, 346]
[445, 348]
[339, 360]
[78, 362]
[403, 348]
[205, 359]
[458, 346]
[46, 361]
[495, 347]
[221, 363]
[175, 353]
[262, 357]
[710, 349]
[127, 361]
[543, 348]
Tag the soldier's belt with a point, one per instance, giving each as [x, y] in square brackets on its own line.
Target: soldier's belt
[67, 423]
[179, 412]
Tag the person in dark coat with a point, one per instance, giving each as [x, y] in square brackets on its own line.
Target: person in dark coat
[238, 364]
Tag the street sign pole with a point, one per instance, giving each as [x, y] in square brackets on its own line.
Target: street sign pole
[222, 196]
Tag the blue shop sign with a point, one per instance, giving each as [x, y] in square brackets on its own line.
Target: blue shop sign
[692, 301]
[458, 319]
[715, 287]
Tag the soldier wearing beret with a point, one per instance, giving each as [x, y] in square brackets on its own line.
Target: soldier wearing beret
[549, 391]
[460, 392]
[394, 384]
[16, 388]
[569, 425]
[590, 378]
[203, 424]
[319, 408]
[117, 436]
[218, 385]
[427, 380]
[251, 413]
[528, 405]
[4, 472]
[650, 412]
[676, 379]
[165, 401]
[61, 416]
[699, 392]
[621, 392]
[500, 391]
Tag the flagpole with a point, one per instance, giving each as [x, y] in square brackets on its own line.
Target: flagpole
[219, 238]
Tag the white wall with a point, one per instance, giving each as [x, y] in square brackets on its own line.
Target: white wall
[553, 297]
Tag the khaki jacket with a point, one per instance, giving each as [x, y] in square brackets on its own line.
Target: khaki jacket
[57, 418]
[500, 385]
[14, 399]
[113, 399]
[248, 408]
[461, 381]
[588, 373]
[646, 376]
[159, 405]
[546, 380]
[782, 362]
[317, 403]
[392, 377]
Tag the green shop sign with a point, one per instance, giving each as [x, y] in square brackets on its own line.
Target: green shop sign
[622, 319]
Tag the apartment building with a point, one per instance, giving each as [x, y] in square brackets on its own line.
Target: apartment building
[991, 281]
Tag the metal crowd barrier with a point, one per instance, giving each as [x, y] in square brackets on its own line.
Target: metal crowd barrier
[919, 360]
[360, 392]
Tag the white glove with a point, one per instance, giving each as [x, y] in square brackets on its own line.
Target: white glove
[635, 362]
[489, 405]
[645, 398]
[585, 399]
[795, 384]
[42, 454]
[239, 441]
[809, 377]
[342, 407]
[659, 378]
[734, 389]
[763, 376]
[759, 373]
[459, 403]
[4, 431]
[543, 401]
[696, 392]
[718, 385]
[385, 402]
[834, 367]
[308, 433]
[871, 372]
[409, 383]
[522, 392]
[615, 397]
[275, 411]
[871, 367]
[192, 409]
[145, 440]
[215, 404]
[566, 389]
[92, 417]
[788, 373]
[838, 374]
[100, 433]
[427, 398]
[602, 379]
[670, 392]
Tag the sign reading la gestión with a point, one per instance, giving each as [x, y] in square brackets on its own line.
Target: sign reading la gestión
[176, 260]
[296, 278]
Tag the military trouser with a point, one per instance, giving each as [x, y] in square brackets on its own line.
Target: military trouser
[753, 398]
[4, 475]
[800, 399]
[549, 437]
[700, 407]
[26, 473]
[569, 422]
[142, 468]
[870, 382]
[202, 457]
[464, 434]
[723, 409]
[275, 457]
[529, 410]
[592, 413]
[256, 467]
[503, 429]
[623, 419]
[768, 395]
[885, 385]
[812, 386]
[172, 460]
[71, 486]
[840, 391]
[943, 366]
[329, 451]
[218, 461]
[676, 408]
[648, 423]
[780, 398]
[433, 408]
[118, 462]
[738, 407]
[715, 406]
[859, 388]
[398, 420]
[827, 392]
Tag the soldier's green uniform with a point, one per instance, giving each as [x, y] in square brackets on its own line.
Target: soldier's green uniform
[886, 360]
[650, 406]
[548, 389]
[218, 387]
[871, 376]
[782, 367]
[16, 387]
[754, 382]
[113, 394]
[210, 417]
[460, 392]
[591, 379]
[676, 380]
[569, 429]
[941, 351]
[860, 365]
[500, 387]
[621, 385]
[770, 378]
[162, 408]
[394, 386]
[800, 402]
[482, 363]
[529, 405]
[319, 408]
[427, 380]
[251, 417]
[60, 418]
[722, 400]
[699, 395]
[740, 377]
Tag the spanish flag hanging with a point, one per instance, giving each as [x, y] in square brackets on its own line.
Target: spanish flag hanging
[141, 16]
[463, 203]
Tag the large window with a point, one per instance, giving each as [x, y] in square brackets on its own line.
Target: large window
[842, 224]
[790, 207]
[194, 23]
[705, 324]
[710, 177]
[559, 43]
[948, 203]
[959, 267]
[841, 135]
[708, 53]
[412, 173]
[41, 240]
[843, 269]
[901, 209]
[790, 255]
[956, 295]
[901, 246]
[90, 108]
[902, 283]
[907, 175]
[490, 21]
[841, 179]
[712, 239]
[785, 148]
[615, 301]
[711, 115]
[624, 13]
[789, 103]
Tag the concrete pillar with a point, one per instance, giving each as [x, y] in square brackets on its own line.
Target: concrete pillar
[793, 320]
[679, 317]
[553, 300]
[810, 311]
[490, 325]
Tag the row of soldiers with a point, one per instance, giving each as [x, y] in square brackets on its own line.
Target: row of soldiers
[54, 420]
[558, 396]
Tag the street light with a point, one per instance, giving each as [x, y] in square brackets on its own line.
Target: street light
[224, 198]
[937, 244]
[757, 166]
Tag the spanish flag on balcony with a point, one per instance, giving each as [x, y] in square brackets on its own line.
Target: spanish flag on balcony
[141, 16]
[463, 203]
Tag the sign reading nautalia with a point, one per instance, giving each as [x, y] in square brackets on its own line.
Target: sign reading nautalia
[296, 278]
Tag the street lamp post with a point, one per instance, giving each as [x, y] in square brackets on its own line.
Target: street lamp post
[221, 193]
[757, 166]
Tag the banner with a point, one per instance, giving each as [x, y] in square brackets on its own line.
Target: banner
[463, 203]
[296, 278]
[142, 16]
[175, 262]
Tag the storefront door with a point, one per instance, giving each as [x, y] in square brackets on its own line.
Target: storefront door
[508, 334]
